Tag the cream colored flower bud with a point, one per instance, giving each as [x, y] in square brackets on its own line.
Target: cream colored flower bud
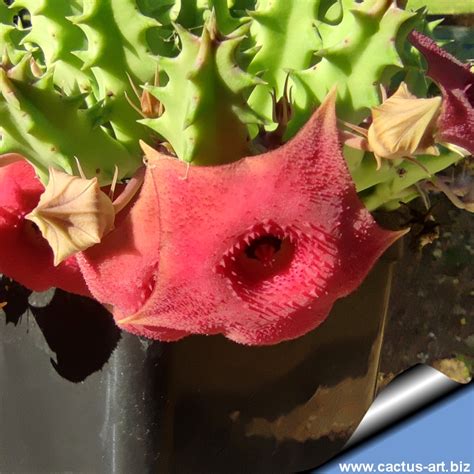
[404, 125]
[73, 214]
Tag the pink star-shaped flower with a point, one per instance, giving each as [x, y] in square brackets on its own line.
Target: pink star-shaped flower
[257, 250]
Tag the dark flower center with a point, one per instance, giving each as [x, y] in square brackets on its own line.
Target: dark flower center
[258, 256]
[264, 248]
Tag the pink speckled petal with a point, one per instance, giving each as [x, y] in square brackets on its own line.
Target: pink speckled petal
[456, 81]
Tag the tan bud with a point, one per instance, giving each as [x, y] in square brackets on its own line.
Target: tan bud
[73, 214]
[404, 125]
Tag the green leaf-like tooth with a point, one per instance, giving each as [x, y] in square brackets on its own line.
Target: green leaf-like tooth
[165, 11]
[192, 13]
[21, 71]
[226, 23]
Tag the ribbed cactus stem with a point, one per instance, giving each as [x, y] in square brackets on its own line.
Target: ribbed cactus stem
[205, 115]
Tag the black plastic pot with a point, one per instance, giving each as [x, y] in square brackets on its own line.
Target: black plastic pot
[201, 405]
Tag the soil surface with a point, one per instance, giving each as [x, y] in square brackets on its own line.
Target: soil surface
[431, 313]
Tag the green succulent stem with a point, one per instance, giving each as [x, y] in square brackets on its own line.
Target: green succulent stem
[395, 184]
[71, 82]
[52, 130]
[205, 113]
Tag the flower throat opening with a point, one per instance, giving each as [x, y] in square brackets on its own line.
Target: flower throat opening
[264, 249]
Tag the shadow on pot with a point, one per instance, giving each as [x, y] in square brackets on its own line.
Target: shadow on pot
[78, 330]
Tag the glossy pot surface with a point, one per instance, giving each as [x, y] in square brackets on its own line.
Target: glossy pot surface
[203, 404]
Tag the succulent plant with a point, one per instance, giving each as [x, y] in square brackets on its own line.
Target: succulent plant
[223, 155]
